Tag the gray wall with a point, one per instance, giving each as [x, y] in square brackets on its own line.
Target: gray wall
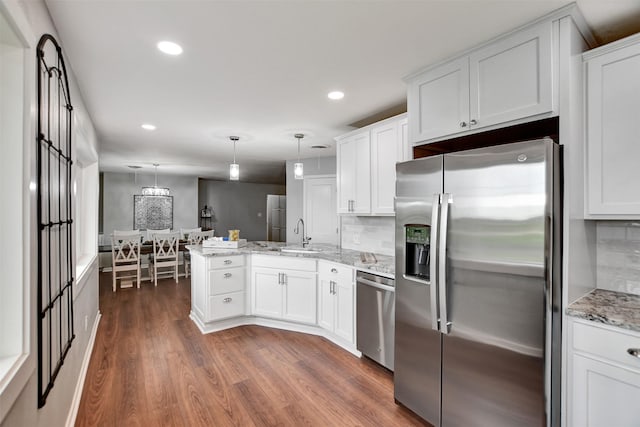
[119, 189]
[295, 189]
[238, 205]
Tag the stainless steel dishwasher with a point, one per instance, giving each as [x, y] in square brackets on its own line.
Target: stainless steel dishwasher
[375, 316]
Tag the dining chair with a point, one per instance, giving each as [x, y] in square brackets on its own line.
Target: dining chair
[151, 232]
[165, 255]
[125, 255]
[184, 232]
[195, 238]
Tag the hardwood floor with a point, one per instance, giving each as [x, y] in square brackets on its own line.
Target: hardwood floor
[152, 366]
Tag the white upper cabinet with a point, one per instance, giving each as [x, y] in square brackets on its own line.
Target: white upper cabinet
[385, 140]
[507, 80]
[367, 167]
[613, 130]
[511, 78]
[354, 169]
[438, 101]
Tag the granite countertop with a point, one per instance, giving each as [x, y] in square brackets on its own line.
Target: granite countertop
[377, 264]
[608, 307]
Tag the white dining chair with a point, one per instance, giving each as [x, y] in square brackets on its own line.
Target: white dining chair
[125, 255]
[165, 256]
[184, 232]
[151, 232]
[195, 238]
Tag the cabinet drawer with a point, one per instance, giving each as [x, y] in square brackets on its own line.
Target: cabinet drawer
[607, 343]
[337, 272]
[227, 280]
[225, 261]
[227, 305]
[283, 262]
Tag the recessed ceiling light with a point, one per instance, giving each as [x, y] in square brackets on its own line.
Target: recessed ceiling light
[170, 48]
[336, 94]
[148, 126]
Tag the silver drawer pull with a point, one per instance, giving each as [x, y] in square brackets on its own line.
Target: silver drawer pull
[333, 270]
[227, 300]
[227, 261]
[635, 352]
[227, 275]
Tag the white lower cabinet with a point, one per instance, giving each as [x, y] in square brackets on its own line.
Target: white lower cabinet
[605, 384]
[224, 284]
[284, 288]
[336, 299]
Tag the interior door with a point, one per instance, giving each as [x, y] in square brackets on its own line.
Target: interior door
[493, 355]
[320, 217]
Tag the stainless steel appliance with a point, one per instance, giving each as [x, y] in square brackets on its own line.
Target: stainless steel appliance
[477, 341]
[276, 218]
[375, 317]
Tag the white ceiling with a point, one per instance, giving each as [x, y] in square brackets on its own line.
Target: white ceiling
[262, 69]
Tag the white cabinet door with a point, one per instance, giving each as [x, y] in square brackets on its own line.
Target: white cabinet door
[604, 394]
[438, 101]
[405, 148]
[512, 78]
[613, 129]
[267, 292]
[344, 319]
[326, 306]
[385, 140]
[354, 166]
[300, 301]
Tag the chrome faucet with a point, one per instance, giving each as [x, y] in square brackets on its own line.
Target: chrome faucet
[305, 239]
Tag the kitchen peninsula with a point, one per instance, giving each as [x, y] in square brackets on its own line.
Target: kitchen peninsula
[310, 290]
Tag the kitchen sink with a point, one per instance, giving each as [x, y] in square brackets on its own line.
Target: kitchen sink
[300, 250]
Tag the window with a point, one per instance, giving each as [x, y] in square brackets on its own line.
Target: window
[16, 86]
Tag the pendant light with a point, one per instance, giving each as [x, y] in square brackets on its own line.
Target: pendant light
[155, 190]
[298, 168]
[234, 168]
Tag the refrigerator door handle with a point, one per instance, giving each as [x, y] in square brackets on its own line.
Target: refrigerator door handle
[445, 325]
[433, 268]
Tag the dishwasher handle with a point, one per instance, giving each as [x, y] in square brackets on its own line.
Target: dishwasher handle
[376, 284]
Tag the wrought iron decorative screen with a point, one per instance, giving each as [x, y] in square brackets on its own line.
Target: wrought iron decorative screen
[54, 212]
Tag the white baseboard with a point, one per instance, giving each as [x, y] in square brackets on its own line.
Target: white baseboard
[77, 395]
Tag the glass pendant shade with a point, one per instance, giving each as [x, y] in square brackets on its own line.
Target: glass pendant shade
[298, 167]
[234, 171]
[234, 168]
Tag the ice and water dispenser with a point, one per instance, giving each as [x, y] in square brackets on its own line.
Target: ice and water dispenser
[417, 250]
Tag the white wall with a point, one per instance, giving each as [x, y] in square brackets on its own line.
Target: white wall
[119, 189]
[295, 189]
[24, 411]
[238, 205]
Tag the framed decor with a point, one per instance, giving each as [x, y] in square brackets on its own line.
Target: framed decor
[152, 212]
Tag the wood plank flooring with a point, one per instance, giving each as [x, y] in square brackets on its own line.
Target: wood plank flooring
[151, 366]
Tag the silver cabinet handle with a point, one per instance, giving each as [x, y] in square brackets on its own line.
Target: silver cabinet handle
[279, 278]
[227, 261]
[333, 270]
[332, 287]
[473, 122]
[227, 275]
[227, 300]
[635, 352]
[463, 124]
[445, 325]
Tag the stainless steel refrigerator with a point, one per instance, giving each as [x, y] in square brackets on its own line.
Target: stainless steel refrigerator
[478, 324]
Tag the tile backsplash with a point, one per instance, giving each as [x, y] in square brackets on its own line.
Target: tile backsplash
[369, 234]
[618, 256]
